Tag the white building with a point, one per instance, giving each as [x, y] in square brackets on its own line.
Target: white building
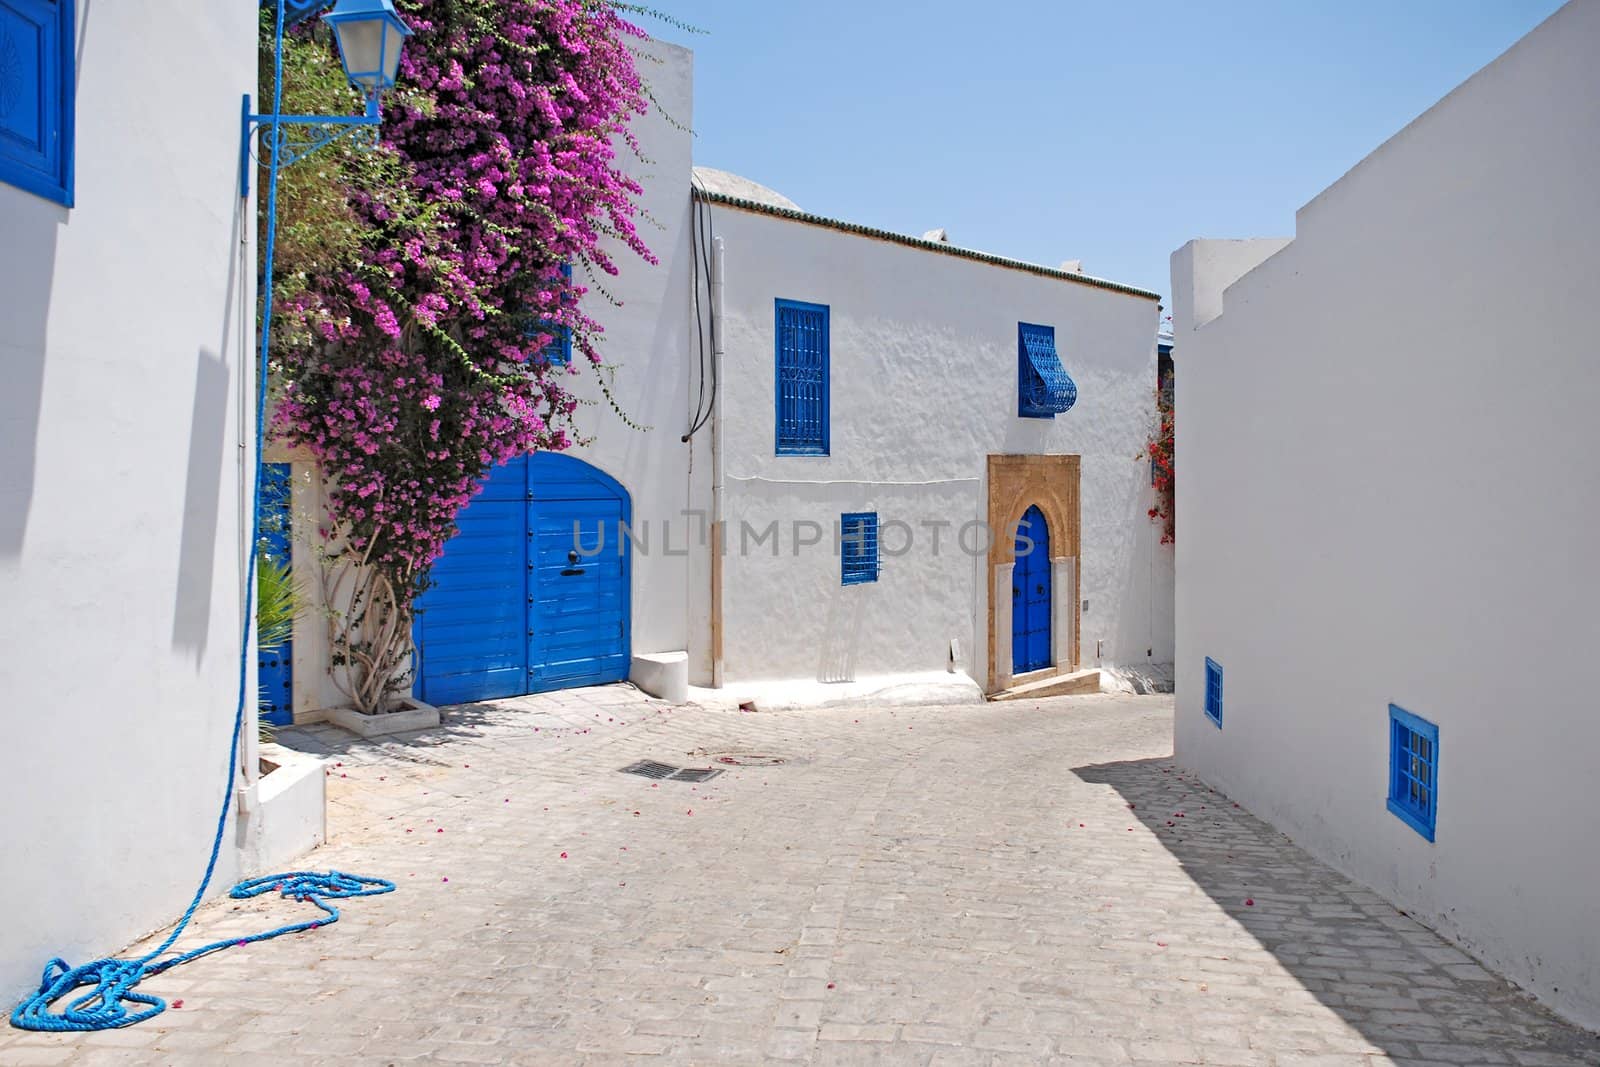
[1386, 516]
[920, 428]
[127, 269]
[918, 362]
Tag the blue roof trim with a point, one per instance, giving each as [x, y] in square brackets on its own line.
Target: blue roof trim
[1044, 387]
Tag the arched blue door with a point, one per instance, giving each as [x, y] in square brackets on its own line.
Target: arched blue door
[1030, 595]
[533, 592]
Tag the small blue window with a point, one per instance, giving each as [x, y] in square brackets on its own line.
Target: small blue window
[1214, 691]
[802, 378]
[858, 547]
[1044, 388]
[1413, 770]
[37, 90]
[559, 351]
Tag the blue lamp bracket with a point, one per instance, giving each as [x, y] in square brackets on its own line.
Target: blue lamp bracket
[292, 138]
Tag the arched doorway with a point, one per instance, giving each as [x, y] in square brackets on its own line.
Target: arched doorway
[1031, 647]
[534, 591]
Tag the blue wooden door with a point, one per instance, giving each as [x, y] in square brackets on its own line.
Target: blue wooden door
[533, 593]
[1030, 595]
[275, 667]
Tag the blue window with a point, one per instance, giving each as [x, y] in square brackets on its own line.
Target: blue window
[37, 81]
[1044, 388]
[858, 547]
[559, 351]
[802, 378]
[1413, 770]
[1214, 691]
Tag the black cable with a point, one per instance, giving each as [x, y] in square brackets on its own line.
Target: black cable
[707, 234]
[694, 274]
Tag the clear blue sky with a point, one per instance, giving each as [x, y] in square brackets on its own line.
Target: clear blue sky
[1108, 131]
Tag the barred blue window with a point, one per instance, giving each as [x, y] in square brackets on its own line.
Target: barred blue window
[858, 547]
[802, 378]
[37, 92]
[559, 351]
[1413, 770]
[1044, 388]
[1214, 691]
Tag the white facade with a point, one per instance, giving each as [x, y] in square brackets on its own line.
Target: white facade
[923, 388]
[1387, 495]
[126, 327]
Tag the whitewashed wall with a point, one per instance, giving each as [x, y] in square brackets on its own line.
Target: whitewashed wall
[924, 388]
[1387, 494]
[647, 342]
[125, 328]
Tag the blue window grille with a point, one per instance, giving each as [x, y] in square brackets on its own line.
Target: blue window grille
[1413, 770]
[1214, 691]
[858, 547]
[1044, 388]
[559, 351]
[802, 378]
[37, 92]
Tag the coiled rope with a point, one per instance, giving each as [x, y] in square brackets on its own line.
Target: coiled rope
[107, 1005]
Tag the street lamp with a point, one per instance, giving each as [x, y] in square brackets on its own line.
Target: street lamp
[371, 36]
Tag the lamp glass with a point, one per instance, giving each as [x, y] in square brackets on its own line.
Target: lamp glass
[371, 37]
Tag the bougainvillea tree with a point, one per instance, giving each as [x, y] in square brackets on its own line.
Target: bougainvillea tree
[421, 286]
[1159, 449]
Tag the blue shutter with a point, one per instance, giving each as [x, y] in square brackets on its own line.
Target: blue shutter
[559, 351]
[1414, 770]
[1044, 388]
[37, 81]
[1214, 691]
[802, 378]
[275, 667]
[858, 547]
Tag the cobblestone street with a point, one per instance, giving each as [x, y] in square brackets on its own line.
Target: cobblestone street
[1013, 883]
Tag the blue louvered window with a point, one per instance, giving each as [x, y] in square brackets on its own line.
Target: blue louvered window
[802, 378]
[1044, 388]
[37, 82]
[1214, 691]
[1413, 770]
[559, 351]
[858, 547]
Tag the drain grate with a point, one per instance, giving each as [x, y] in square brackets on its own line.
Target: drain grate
[665, 772]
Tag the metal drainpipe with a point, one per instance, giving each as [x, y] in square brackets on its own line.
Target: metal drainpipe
[718, 535]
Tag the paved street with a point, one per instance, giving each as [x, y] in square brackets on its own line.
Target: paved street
[1003, 884]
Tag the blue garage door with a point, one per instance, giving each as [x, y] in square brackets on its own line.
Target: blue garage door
[532, 593]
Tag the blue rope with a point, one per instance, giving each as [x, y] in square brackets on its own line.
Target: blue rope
[105, 1006]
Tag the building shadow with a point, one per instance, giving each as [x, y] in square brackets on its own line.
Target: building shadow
[1405, 989]
[202, 500]
[27, 274]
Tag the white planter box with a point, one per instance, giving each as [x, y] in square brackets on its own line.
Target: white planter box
[412, 715]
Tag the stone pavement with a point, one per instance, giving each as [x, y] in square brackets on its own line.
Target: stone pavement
[1016, 883]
